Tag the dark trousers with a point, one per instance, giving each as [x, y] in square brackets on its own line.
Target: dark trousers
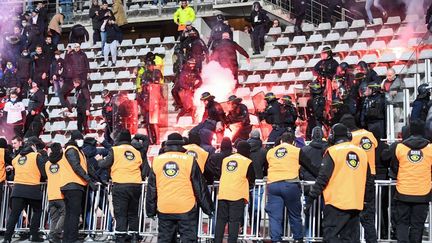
[242, 133]
[55, 37]
[18, 205]
[410, 219]
[274, 134]
[367, 219]
[82, 123]
[300, 11]
[73, 206]
[230, 212]
[126, 203]
[28, 122]
[186, 224]
[341, 225]
[96, 36]
[64, 93]
[57, 217]
[283, 194]
[258, 34]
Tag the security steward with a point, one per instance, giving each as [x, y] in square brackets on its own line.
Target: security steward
[196, 151]
[56, 204]
[239, 114]
[175, 191]
[29, 171]
[412, 162]
[284, 188]
[365, 140]
[237, 176]
[272, 116]
[126, 167]
[75, 177]
[342, 180]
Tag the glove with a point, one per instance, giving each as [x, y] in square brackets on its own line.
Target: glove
[93, 186]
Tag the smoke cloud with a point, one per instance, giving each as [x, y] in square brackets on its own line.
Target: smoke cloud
[218, 81]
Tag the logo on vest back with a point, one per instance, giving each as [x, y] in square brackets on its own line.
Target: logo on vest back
[192, 153]
[352, 160]
[22, 160]
[365, 143]
[281, 152]
[54, 168]
[415, 156]
[170, 169]
[232, 166]
[129, 155]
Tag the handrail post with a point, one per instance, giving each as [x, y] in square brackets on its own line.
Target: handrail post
[406, 106]
[390, 123]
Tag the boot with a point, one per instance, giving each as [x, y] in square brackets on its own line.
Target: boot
[120, 238]
[135, 238]
[37, 238]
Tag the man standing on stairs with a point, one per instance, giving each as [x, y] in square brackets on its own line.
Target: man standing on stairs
[183, 15]
[225, 53]
[260, 22]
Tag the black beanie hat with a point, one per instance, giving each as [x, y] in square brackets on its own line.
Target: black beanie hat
[55, 147]
[194, 138]
[124, 136]
[417, 127]
[226, 144]
[37, 142]
[340, 131]
[3, 143]
[76, 135]
[349, 121]
[175, 139]
[244, 148]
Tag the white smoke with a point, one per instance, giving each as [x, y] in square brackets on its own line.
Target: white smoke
[218, 81]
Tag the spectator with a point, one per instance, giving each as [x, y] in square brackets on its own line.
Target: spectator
[17, 143]
[103, 15]
[13, 45]
[35, 37]
[80, 65]
[55, 27]
[96, 24]
[114, 38]
[82, 105]
[10, 80]
[313, 152]
[376, 4]
[15, 113]
[49, 48]
[299, 13]
[78, 34]
[276, 23]
[43, 14]
[41, 68]
[258, 155]
[36, 104]
[119, 13]
[183, 15]
[24, 71]
[107, 114]
[260, 22]
[393, 87]
[37, 20]
[91, 150]
[57, 69]
[66, 9]
[225, 52]
[214, 163]
[421, 104]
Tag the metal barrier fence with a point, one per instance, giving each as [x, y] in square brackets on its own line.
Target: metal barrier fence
[98, 217]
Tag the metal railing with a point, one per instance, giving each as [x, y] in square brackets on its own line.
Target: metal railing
[98, 216]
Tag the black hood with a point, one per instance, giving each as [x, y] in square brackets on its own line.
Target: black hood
[256, 144]
[416, 142]
[318, 144]
[26, 150]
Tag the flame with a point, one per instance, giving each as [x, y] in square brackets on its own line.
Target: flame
[218, 81]
[398, 51]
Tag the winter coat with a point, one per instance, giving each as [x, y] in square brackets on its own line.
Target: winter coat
[78, 34]
[206, 141]
[258, 156]
[183, 15]
[225, 52]
[79, 63]
[119, 13]
[113, 33]
[24, 67]
[56, 22]
[96, 23]
[314, 152]
[397, 85]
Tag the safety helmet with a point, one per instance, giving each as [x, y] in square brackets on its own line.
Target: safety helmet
[344, 66]
[270, 96]
[423, 90]
[220, 18]
[315, 87]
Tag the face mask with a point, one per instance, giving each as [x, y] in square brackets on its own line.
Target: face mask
[9, 66]
[13, 100]
[80, 142]
[25, 54]
[57, 57]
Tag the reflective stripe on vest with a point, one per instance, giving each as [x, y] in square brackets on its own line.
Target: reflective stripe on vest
[127, 165]
[367, 141]
[414, 174]
[26, 169]
[198, 153]
[173, 182]
[234, 184]
[69, 175]
[283, 163]
[346, 188]
[53, 173]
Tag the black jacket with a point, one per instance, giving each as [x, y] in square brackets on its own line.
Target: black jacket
[113, 33]
[10, 79]
[31, 192]
[108, 161]
[225, 52]
[73, 159]
[79, 64]
[36, 102]
[258, 155]
[259, 18]
[272, 113]
[214, 111]
[195, 48]
[96, 23]
[314, 153]
[289, 115]
[83, 99]
[42, 64]
[78, 34]
[200, 189]
[217, 31]
[214, 165]
[49, 50]
[413, 142]
[326, 68]
[24, 68]
[56, 67]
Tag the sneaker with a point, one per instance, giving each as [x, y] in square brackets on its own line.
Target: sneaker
[103, 64]
[113, 64]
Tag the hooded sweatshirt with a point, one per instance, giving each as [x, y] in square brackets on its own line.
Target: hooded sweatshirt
[258, 155]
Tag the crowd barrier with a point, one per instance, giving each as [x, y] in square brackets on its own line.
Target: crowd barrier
[98, 219]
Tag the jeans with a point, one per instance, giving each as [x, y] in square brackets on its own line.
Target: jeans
[368, 7]
[110, 48]
[254, 209]
[67, 11]
[103, 36]
[57, 217]
[55, 37]
[284, 194]
[58, 83]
